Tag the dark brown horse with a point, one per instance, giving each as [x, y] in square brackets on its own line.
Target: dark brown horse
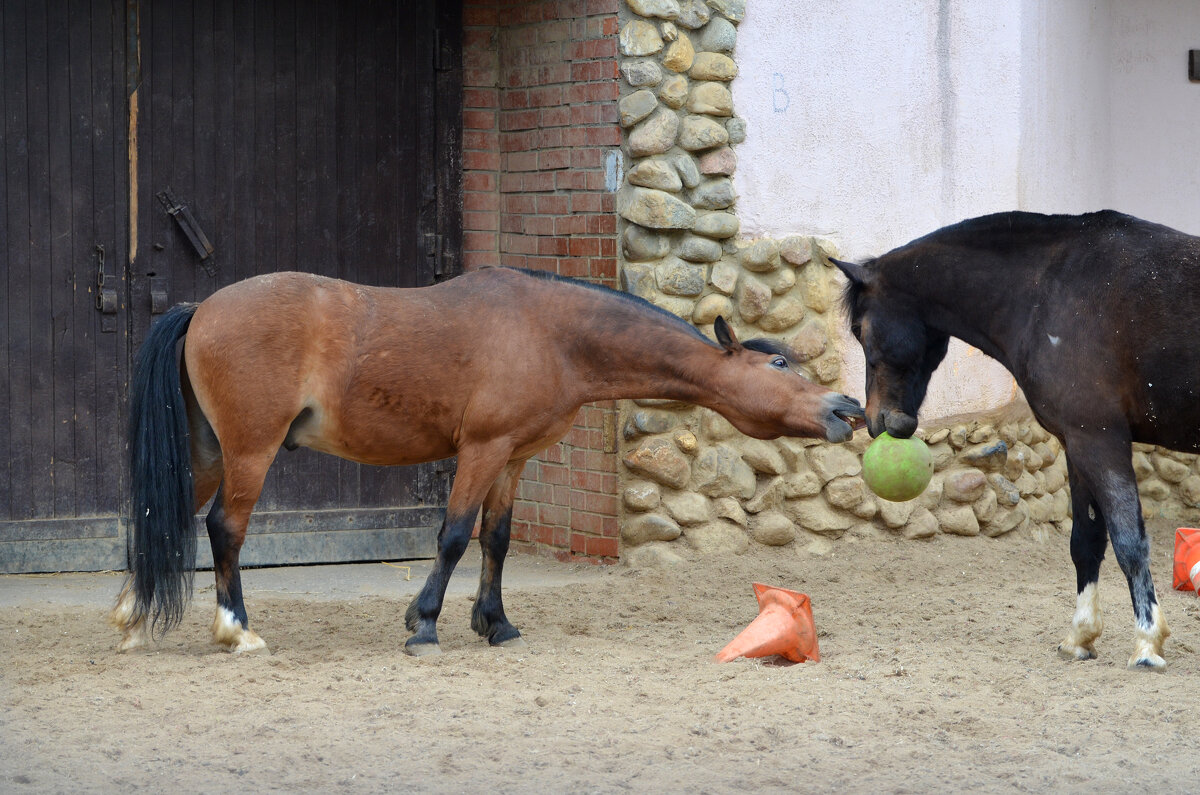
[492, 367]
[1095, 317]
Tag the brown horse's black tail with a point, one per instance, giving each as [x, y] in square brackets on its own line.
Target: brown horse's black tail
[162, 531]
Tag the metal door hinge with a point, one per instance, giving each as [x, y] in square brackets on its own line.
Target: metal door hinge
[106, 295]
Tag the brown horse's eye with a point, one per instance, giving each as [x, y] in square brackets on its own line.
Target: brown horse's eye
[779, 362]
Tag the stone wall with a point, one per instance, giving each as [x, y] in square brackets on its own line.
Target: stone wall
[687, 476]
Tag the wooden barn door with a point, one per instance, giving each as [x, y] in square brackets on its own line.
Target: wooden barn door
[282, 135]
[169, 148]
[63, 337]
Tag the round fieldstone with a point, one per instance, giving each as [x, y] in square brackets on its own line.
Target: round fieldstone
[736, 127]
[649, 527]
[673, 91]
[655, 173]
[641, 496]
[761, 256]
[647, 421]
[724, 277]
[636, 106]
[639, 244]
[809, 341]
[721, 472]
[719, 162]
[663, 9]
[676, 277]
[641, 73]
[638, 280]
[693, 14]
[710, 307]
[713, 66]
[686, 166]
[717, 539]
[655, 209]
[783, 315]
[796, 250]
[688, 507]
[659, 460]
[679, 54]
[639, 38]
[711, 98]
[753, 300]
[773, 529]
[698, 133]
[719, 36]
[715, 194]
[733, 10]
[717, 225]
[698, 249]
[655, 135]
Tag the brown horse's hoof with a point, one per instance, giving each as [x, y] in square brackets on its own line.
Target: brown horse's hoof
[1070, 651]
[423, 649]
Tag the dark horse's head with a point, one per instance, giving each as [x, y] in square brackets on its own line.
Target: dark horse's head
[902, 350]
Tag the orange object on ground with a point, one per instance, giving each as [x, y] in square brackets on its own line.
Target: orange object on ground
[1187, 559]
[784, 626]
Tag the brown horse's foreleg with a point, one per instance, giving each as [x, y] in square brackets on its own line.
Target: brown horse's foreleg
[226, 523]
[487, 618]
[478, 467]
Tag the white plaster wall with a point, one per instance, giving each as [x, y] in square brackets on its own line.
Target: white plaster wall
[871, 124]
[871, 129]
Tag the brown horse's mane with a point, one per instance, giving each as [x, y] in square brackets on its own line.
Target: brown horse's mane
[760, 344]
[634, 301]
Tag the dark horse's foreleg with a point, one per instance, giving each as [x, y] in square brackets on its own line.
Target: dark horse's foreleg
[478, 467]
[487, 618]
[1101, 465]
[1088, 542]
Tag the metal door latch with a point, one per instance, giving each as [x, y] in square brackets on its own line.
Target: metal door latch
[191, 229]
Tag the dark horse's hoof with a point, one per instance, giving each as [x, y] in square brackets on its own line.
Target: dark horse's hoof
[512, 643]
[422, 648]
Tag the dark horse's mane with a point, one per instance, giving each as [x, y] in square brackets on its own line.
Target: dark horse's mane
[760, 344]
[998, 232]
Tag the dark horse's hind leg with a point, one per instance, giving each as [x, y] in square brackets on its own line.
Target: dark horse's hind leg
[478, 468]
[1101, 464]
[1088, 542]
[487, 618]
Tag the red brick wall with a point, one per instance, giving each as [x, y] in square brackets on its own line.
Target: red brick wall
[539, 119]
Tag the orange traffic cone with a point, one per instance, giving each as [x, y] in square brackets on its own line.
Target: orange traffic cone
[1187, 559]
[784, 626]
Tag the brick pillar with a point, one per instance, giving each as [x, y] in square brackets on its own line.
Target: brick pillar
[540, 121]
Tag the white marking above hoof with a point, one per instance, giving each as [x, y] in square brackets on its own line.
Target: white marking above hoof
[229, 632]
[1148, 643]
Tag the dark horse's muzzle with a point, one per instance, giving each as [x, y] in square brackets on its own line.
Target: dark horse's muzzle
[897, 423]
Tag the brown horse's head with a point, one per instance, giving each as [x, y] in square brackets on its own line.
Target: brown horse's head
[902, 351]
[774, 400]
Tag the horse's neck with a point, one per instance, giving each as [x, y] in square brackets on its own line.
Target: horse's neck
[651, 359]
[970, 303]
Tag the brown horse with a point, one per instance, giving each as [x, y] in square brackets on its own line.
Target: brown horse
[492, 367]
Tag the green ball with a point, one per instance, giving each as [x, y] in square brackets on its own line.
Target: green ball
[897, 469]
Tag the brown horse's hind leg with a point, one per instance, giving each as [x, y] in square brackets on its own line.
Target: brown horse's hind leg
[226, 523]
[487, 617]
[478, 467]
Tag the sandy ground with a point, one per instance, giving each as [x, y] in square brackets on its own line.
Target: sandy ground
[938, 673]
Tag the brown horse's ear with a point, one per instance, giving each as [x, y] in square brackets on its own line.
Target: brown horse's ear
[725, 335]
[857, 274]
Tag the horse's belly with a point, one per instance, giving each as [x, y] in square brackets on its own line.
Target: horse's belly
[378, 438]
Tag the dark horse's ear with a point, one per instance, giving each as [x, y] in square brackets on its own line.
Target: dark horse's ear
[857, 274]
[725, 335]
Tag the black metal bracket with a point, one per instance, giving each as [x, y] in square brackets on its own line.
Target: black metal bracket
[106, 296]
[191, 229]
